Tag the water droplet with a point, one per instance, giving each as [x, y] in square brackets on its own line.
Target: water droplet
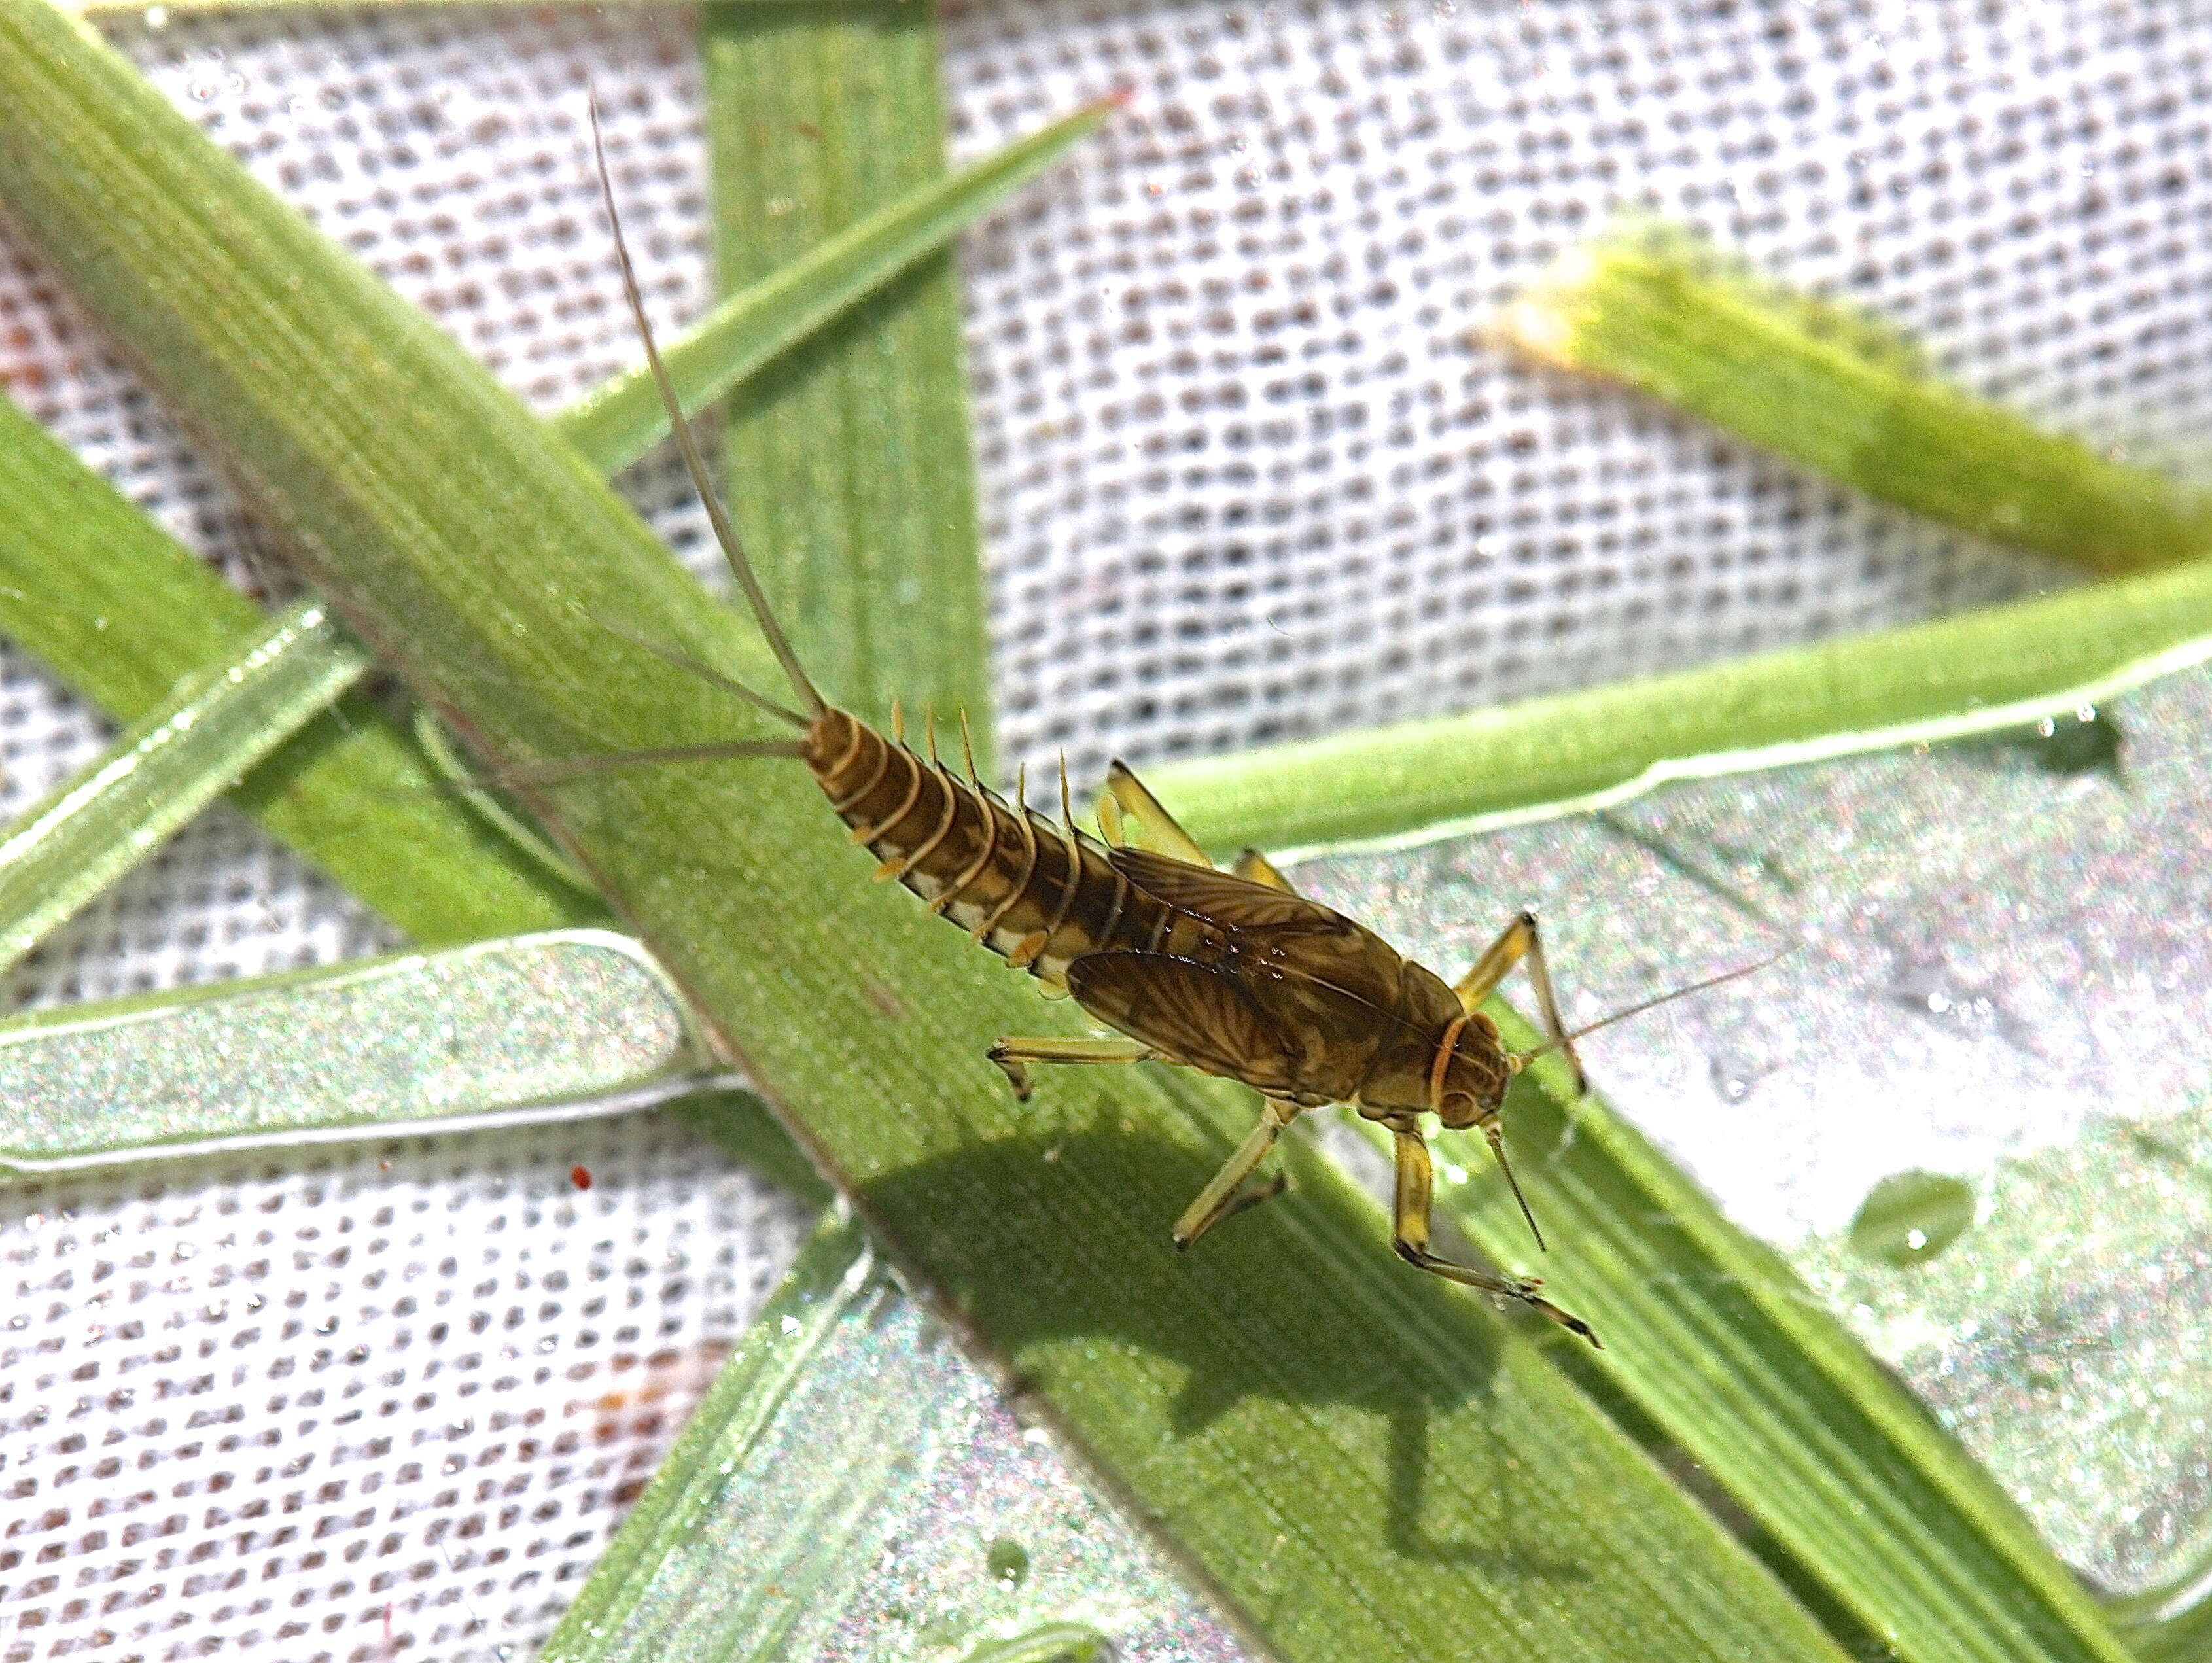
[1910, 1217]
[1008, 1562]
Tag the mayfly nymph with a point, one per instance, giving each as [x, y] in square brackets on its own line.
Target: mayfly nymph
[1228, 972]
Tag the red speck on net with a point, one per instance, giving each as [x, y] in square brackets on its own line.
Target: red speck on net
[580, 1177]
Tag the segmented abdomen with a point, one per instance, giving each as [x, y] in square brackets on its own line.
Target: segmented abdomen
[1037, 893]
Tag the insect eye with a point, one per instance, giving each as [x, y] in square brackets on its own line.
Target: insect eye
[1458, 1108]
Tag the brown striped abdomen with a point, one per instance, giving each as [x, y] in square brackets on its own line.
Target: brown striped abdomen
[1035, 893]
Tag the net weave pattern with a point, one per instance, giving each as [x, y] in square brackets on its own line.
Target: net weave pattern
[1246, 477]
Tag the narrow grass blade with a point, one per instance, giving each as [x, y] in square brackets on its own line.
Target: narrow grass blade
[787, 302]
[122, 624]
[124, 612]
[746, 1130]
[558, 1025]
[818, 116]
[1714, 1339]
[172, 763]
[431, 740]
[1825, 389]
[630, 1588]
[850, 1488]
[1979, 672]
[1667, 316]
[1356, 1460]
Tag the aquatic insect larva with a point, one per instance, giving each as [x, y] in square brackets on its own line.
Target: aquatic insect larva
[1231, 974]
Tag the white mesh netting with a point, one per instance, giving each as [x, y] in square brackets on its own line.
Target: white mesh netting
[364, 1406]
[1245, 478]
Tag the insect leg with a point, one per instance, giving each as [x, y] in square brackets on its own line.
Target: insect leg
[1256, 868]
[1416, 1187]
[1519, 940]
[1124, 794]
[1013, 1055]
[1221, 1197]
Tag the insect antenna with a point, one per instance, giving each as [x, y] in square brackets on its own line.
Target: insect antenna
[1516, 1061]
[724, 533]
[1516, 1058]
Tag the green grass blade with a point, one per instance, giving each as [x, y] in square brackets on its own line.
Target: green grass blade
[1817, 388]
[1715, 1339]
[124, 613]
[278, 1060]
[172, 763]
[1978, 672]
[824, 1462]
[815, 1295]
[623, 420]
[484, 799]
[1360, 1462]
[520, 1029]
[122, 625]
[1671, 318]
[816, 115]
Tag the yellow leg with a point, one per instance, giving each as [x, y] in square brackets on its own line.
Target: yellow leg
[1125, 795]
[1518, 941]
[1013, 1056]
[1416, 1188]
[1256, 868]
[1226, 1195]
